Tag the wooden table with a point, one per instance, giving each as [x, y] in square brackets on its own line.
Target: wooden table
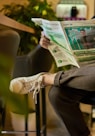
[8, 22]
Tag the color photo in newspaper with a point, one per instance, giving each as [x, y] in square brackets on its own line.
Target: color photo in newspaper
[81, 38]
[71, 41]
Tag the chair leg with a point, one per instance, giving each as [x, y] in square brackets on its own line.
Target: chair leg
[92, 115]
[91, 122]
[2, 112]
[26, 117]
[38, 116]
[44, 111]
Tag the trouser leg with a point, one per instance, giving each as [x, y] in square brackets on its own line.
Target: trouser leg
[66, 104]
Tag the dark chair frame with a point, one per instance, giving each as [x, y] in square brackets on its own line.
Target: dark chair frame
[28, 65]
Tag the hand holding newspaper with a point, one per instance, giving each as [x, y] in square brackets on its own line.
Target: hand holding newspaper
[71, 41]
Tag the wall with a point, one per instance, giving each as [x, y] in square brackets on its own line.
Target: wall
[90, 5]
[9, 1]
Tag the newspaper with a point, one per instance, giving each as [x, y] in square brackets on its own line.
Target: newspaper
[71, 41]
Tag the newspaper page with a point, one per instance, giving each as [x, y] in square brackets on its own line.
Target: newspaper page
[59, 47]
[81, 37]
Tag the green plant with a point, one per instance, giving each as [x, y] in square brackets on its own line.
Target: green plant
[23, 14]
[13, 101]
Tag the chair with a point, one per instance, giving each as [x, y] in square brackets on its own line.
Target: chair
[36, 61]
[9, 42]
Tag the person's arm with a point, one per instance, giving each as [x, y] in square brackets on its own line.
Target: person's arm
[48, 78]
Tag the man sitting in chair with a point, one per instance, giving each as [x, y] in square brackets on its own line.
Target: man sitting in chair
[69, 88]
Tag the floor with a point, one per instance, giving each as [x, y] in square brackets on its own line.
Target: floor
[54, 125]
[93, 130]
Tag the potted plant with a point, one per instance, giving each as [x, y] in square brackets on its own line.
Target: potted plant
[23, 14]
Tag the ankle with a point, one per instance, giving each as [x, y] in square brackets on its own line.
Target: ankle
[48, 79]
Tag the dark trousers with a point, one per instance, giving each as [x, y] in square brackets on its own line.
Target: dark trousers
[66, 95]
